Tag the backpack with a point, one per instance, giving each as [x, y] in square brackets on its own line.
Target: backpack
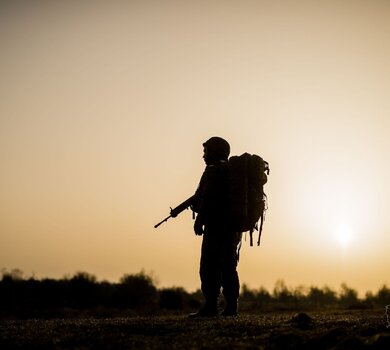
[247, 200]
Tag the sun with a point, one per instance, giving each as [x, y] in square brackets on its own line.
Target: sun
[344, 235]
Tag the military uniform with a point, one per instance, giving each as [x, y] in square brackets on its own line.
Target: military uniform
[219, 258]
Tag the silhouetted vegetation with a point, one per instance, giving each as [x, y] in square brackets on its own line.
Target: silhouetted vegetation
[137, 294]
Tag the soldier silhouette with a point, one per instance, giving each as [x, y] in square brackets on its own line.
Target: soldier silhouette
[219, 258]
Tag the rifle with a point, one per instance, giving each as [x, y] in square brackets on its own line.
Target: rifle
[176, 211]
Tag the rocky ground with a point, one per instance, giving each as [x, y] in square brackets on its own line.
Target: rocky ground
[358, 329]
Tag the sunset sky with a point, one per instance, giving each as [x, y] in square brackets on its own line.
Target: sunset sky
[104, 106]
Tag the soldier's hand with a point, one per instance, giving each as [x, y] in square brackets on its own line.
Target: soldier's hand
[198, 227]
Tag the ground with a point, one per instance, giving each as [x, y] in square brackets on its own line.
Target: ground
[357, 329]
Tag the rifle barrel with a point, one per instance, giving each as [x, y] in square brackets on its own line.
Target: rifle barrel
[166, 219]
[176, 211]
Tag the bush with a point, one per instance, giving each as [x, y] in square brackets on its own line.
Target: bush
[136, 290]
[137, 293]
[348, 296]
[172, 298]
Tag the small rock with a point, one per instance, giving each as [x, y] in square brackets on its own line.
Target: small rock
[381, 341]
[302, 320]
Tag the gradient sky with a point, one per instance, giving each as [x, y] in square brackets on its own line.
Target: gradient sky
[104, 107]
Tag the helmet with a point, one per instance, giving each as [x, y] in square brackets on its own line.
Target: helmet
[217, 147]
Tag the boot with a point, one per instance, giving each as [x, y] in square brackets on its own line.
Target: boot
[208, 310]
[230, 309]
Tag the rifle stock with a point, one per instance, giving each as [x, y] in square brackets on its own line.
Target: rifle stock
[177, 210]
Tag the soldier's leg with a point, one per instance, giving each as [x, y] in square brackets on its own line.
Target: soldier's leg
[210, 272]
[230, 280]
[210, 275]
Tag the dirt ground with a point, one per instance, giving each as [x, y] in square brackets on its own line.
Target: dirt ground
[363, 329]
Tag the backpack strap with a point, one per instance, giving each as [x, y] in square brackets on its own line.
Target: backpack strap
[251, 237]
[261, 228]
[262, 218]
[238, 249]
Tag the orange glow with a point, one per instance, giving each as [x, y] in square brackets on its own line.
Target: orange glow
[104, 108]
